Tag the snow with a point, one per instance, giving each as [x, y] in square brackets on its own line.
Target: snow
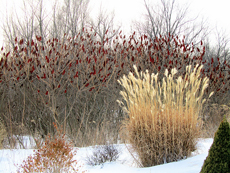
[9, 159]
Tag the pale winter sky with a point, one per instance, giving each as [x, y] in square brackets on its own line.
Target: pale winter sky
[217, 12]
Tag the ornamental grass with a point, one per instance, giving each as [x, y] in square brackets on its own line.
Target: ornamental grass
[163, 116]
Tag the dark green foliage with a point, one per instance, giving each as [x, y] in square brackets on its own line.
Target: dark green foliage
[218, 159]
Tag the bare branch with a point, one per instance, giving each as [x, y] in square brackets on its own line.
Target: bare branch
[168, 17]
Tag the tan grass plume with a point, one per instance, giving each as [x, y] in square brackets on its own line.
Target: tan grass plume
[163, 116]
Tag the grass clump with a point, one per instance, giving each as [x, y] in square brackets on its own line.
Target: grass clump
[3, 134]
[163, 121]
[55, 156]
[218, 159]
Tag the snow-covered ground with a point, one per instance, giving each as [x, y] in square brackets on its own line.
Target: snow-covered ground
[9, 159]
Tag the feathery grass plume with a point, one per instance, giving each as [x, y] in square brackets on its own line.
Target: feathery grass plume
[163, 120]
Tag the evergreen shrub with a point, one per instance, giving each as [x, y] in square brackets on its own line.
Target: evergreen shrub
[218, 159]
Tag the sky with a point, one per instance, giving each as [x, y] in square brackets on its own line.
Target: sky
[215, 12]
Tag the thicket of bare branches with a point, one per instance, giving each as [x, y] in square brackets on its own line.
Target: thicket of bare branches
[74, 83]
[62, 83]
[62, 68]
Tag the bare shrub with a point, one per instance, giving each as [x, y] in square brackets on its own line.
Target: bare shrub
[102, 154]
[55, 156]
[163, 118]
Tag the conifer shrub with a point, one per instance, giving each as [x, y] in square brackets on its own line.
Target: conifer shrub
[218, 159]
[55, 156]
[163, 117]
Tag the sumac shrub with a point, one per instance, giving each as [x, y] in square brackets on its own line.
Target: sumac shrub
[74, 81]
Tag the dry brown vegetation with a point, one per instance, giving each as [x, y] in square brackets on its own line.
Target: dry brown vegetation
[73, 82]
[2, 134]
[56, 155]
[164, 119]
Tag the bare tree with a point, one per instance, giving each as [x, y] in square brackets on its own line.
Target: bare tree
[222, 48]
[219, 50]
[9, 31]
[168, 17]
[56, 28]
[38, 20]
[42, 20]
[104, 25]
[14, 26]
[33, 21]
[75, 14]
